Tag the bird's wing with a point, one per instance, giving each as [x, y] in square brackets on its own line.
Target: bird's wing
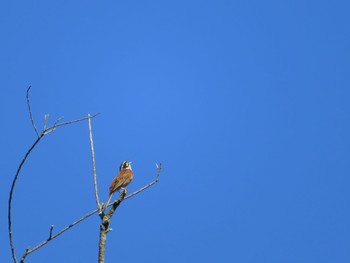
[121, 180]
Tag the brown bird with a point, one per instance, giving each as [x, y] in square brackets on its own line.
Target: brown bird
[122, 179]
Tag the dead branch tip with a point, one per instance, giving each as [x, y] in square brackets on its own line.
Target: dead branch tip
[51, 229]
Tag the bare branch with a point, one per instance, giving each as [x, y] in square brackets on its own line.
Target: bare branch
[57, 121]
[51, 229]
[93, 164]
[159, 168]
[46, 119]
[57, 124]
[28, 251]
[104, 227]
[40, 136]
[30, 112]
[107, 217]
[11, 195]
[115, 205]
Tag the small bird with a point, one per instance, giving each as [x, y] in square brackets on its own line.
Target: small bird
[122, 179]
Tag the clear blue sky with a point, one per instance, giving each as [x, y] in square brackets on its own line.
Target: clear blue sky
[246, 103]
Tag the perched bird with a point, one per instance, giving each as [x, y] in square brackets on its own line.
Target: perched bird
[122, 179]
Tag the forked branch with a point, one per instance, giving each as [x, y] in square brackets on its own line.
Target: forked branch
[45, 131]
[105, 217]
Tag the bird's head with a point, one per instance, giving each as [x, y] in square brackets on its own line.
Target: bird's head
[125, 165]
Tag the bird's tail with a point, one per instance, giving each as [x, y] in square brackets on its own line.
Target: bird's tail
[106, 204]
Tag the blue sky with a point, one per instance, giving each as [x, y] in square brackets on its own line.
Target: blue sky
[246, 103]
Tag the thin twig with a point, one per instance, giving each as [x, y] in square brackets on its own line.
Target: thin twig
[51, 229]
[57, 121]
[46, 119]
[73, 121]
[93, 163]
[57, 124]
[30, 112]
